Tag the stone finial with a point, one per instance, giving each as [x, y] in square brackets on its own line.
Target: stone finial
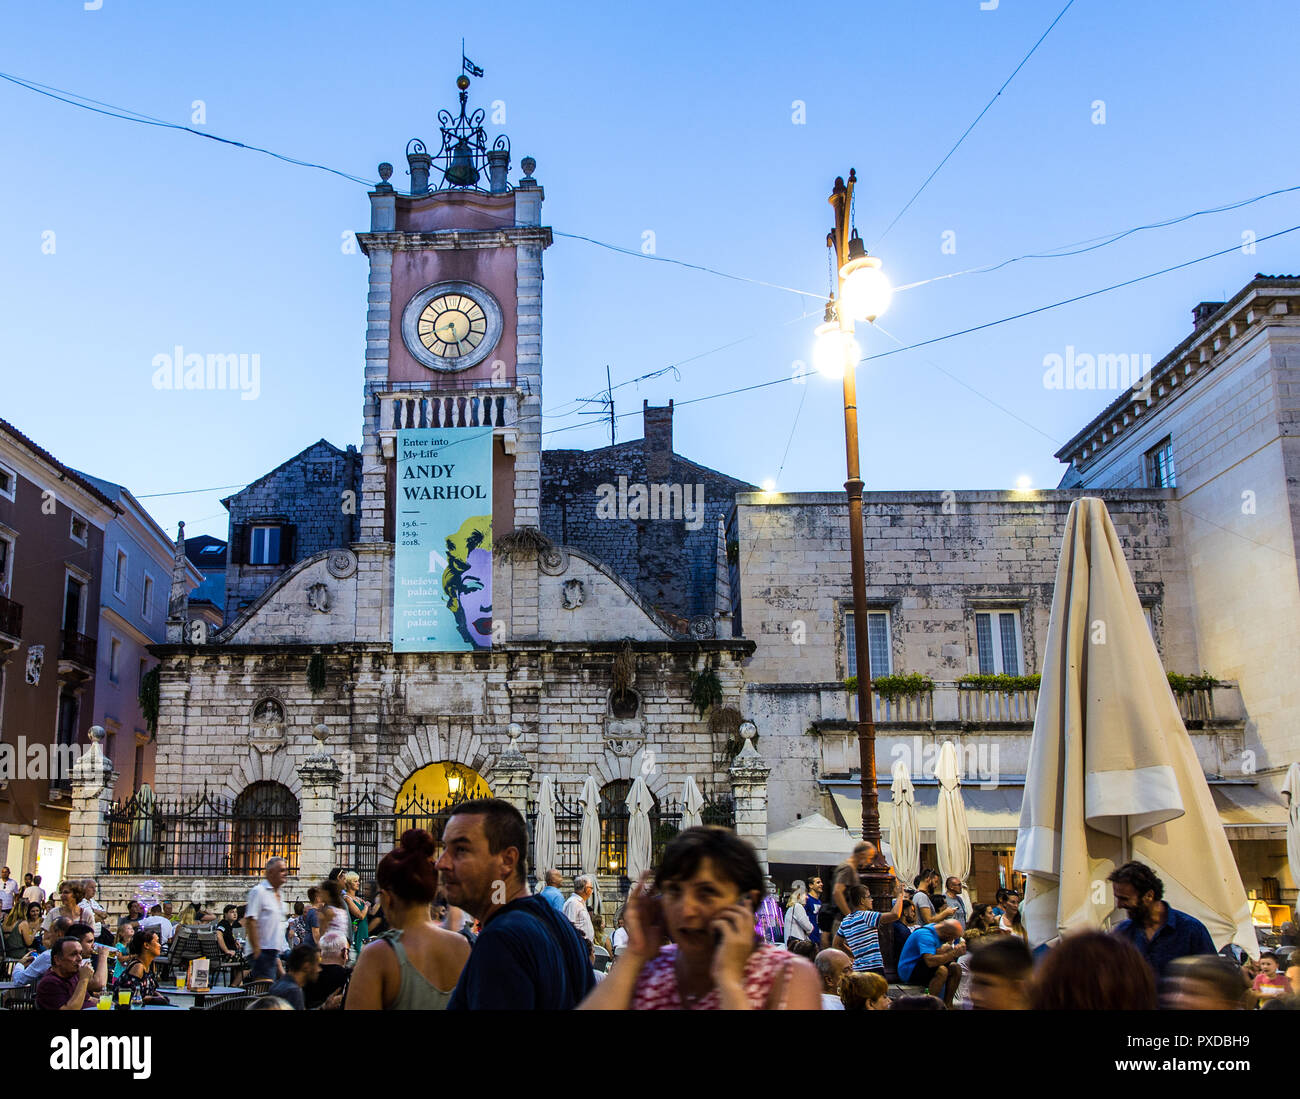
[97, 734]
[529, 165]
[178, 600]
[320, 733]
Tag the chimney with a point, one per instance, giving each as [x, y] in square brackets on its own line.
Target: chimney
[1203, 312]
[657, 440]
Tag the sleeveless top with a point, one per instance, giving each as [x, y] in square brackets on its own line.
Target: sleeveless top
[416, 992]
[656, 986]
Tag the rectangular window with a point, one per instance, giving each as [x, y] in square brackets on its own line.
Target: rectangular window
[79, 529]
[146, 605]
[73, 599]
[8, 482]
[6, 563]
[1160, 465]
[997, 642]
[877, 643]
[119, 574]
[137, 776]
[264, 546]
[114, 659]
[140, 674]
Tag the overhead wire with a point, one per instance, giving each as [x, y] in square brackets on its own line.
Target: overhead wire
[947, 156]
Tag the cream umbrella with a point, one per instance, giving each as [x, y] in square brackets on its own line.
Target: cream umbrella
[639, 803]
[692, 803]
[589, 838]
[905, 830]
[544, 830]
[1291, 790]
[951, 833]
[1112, 774]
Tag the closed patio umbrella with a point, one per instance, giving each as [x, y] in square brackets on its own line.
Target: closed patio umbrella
[1291, 791]
[639, 803]
[589, 838]
[1112, 773]
[544, 830]
[692, 803]
[905, 833]
[951, 833]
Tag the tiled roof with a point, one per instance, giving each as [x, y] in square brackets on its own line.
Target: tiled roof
[67, 471]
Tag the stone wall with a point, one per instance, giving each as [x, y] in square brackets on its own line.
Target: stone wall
[671, 566]
[306, 494]
[932, 560]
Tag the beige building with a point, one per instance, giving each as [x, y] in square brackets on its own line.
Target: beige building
[1198, 465]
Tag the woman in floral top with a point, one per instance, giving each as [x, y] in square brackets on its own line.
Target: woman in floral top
[709, 884]
[139, 972]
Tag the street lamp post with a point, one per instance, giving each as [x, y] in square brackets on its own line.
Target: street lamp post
[863, 293]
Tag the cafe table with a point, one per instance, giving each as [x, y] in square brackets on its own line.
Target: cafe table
[196, 996]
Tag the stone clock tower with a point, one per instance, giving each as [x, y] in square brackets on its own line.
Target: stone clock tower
[453, 332]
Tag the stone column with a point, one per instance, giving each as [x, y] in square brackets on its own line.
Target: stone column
[320, 777]
[749, 773]
[92, 794]
[511, 775]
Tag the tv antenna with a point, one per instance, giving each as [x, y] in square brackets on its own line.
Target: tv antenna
[606, 403]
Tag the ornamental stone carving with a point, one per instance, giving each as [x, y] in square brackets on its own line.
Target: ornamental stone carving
[267, 734]
[554, 561]
[342, 563]
[575, 594]
[35, 662]
[319, 598]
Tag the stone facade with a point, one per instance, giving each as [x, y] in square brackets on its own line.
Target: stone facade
[312, 500]
[933, 561]
[672, 566]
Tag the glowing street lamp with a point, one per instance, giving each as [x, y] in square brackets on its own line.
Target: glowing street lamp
[863, 295]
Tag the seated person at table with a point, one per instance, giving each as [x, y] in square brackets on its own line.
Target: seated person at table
[302, 968]
[66, 986]
[334, 973]
[156, 921]
[139, 972]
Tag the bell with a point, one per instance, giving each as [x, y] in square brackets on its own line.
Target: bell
[461, 172]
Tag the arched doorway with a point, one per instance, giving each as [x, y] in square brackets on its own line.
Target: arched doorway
[440, 784]
[265, 826]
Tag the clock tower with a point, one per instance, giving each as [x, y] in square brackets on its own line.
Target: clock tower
[453, 330]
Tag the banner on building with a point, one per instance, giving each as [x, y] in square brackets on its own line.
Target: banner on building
[442, 563]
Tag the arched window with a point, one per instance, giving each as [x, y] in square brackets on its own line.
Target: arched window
[265, 827]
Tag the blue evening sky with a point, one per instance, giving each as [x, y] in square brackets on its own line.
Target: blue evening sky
[675, 120]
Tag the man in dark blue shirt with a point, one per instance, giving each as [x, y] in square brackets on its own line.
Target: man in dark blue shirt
[1159, 932]
[528, 956]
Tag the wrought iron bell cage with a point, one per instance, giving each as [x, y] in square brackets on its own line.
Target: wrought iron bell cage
[464, 161]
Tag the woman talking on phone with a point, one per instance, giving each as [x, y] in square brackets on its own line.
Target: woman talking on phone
[705, 893]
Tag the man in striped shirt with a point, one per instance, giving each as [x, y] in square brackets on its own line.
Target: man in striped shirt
[859, 931]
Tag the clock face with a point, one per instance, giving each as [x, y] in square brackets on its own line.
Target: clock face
[452, 325]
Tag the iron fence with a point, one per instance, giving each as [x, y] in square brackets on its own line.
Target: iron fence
[203, 834]
[364, 833]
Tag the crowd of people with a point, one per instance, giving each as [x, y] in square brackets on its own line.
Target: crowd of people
[461, 929]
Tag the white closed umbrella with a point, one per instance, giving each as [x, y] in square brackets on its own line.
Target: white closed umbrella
[589, 840]
[905, 830]
[544, 830]
[1291, 791]
[951, 833]
[1112, 773]
[639, 803]
[692, 803]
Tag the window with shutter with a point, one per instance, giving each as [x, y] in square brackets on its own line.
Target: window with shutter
[237, 538]
[288, 543]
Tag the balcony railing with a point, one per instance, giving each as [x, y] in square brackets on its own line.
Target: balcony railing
[11, 617]
[986, 706]
[78, 648]
[412, 408]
